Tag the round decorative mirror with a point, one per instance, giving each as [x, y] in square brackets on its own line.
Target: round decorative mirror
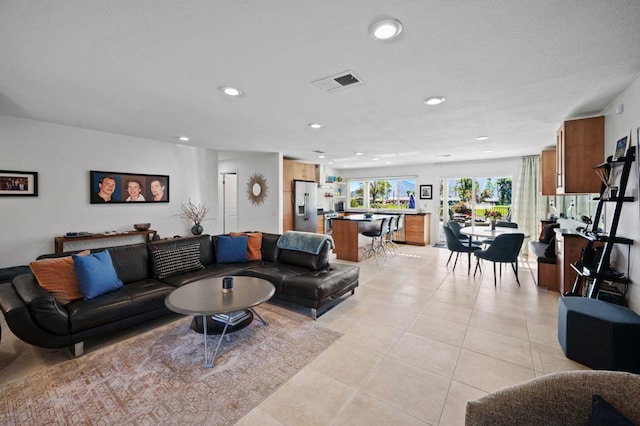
[257, 189]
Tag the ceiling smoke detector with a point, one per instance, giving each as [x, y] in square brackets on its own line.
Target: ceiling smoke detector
[338, 82]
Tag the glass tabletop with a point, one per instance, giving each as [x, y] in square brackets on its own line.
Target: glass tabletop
[205, 297]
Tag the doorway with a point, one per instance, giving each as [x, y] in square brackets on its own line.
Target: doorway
[230, 202]
[475, 199]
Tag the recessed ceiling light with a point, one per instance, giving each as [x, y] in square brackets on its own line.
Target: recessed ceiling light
[488, 151]
[388, 162]
[184, 138]
[385, 29]
[322, 156]
[316, 125]
[434, 100]
[230, 91]
[329, 162]
[375, 159]
[482, 138]
[357, 153]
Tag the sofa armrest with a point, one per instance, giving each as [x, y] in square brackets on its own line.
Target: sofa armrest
[45, 310]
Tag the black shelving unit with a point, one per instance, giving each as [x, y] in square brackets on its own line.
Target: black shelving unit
[595, 275]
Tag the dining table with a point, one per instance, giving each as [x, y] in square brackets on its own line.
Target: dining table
[485, 231]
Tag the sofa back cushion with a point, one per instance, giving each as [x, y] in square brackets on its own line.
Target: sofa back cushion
[172, 261]
[204, 241]
[270, 247]
[310, 261]
[131, 262]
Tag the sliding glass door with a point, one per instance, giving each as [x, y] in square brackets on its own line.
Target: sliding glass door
[470, 200]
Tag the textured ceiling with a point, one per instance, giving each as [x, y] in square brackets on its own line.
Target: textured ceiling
[510, 70]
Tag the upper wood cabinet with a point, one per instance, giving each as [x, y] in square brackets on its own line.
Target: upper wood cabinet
[548, 172]
[580, 146]
[304, 171]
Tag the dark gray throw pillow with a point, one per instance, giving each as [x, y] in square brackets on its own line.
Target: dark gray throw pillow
[550, 251]
[604, 414]
[548, 232]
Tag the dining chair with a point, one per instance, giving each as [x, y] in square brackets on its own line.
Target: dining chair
[378, 237]
[505, 248]
[456, 227]
[456, 246]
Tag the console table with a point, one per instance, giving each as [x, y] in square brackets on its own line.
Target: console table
[59, 242]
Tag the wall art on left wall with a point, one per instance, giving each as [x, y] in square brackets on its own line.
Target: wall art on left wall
[130, 188]
[18, 184]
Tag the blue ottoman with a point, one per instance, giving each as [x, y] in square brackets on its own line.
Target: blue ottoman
[599, 334]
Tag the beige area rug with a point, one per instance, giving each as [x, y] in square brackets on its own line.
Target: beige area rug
[158, 377]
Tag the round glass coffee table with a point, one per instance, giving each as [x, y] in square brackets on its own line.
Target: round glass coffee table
[206, 298]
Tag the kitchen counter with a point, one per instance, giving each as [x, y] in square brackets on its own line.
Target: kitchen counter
[346, 234]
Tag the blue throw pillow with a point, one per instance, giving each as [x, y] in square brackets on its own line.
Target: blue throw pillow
[232, 250]
[96, 274]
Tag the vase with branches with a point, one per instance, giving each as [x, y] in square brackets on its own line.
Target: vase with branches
[196, 213]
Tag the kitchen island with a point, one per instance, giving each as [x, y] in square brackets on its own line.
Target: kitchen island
[346, 234]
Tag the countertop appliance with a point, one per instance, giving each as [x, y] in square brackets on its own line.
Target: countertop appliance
[305, 206]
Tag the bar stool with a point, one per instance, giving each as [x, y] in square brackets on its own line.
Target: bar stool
[396, 224]
[378, 237]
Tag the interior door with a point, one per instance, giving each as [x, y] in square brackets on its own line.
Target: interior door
[230, 202]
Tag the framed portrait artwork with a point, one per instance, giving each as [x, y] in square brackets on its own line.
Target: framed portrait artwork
[426, 192]
[133, 188]
[18, 184]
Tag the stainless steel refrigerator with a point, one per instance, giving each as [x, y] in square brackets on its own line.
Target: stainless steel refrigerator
[305, 206]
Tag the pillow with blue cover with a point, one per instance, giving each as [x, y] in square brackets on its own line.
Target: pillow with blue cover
[96, 274]
[232, 249]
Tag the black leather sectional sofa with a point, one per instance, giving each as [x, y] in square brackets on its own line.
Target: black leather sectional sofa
[36, 317]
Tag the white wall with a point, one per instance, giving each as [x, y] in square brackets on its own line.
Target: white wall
[266, 217]
[430, 174]
[63, 156]
[616, 127]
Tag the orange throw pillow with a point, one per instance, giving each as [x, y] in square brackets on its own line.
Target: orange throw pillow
[254, 245]
[57, 276]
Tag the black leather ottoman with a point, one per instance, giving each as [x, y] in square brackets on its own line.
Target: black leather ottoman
[599, 334]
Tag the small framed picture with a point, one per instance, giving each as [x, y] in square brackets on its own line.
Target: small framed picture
[426, 192]
[621, 148]
[18, 184]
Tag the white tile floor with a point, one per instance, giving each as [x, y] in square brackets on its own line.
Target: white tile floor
[419, 341]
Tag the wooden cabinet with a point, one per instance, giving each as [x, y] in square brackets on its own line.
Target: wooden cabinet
[548, 172]
[292, 170]
[416, 229]
[304, 171]
[320, 229]
[579, 145]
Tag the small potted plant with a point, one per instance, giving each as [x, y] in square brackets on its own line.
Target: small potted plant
[196, 213]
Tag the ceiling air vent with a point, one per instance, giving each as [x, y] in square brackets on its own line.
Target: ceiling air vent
[338, 82]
